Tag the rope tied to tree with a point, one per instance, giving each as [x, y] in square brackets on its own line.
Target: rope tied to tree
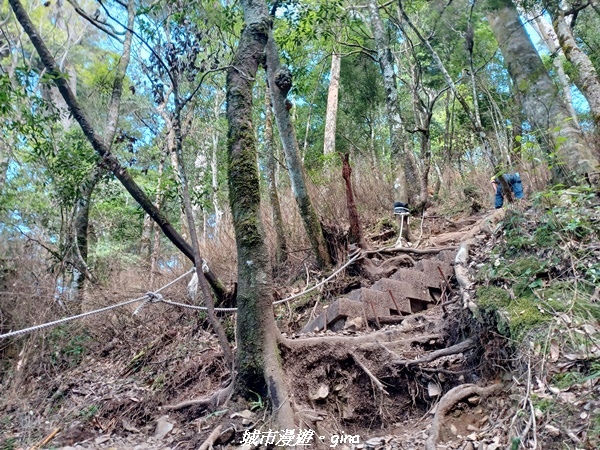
[91, 313]
[151, 297]
[156, 297]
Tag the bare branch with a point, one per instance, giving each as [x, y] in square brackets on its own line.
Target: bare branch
[102, 26]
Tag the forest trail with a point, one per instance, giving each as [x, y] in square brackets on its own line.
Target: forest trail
[404, 340]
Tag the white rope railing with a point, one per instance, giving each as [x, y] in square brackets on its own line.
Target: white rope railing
[148, 296]
[155, 297]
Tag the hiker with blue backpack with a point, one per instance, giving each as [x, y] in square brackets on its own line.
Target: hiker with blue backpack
[512, 181]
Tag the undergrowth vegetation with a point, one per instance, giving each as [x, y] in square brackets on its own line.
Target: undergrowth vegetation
[545, 263]
[540, 288]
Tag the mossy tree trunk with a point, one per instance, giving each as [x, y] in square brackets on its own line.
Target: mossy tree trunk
[543, 106]
[257, 359]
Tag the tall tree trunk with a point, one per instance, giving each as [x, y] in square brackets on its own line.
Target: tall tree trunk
[280, 82]
[281, 244]
[546, 32]
[332, 104]
[175, 165]
[258, 365]
[543, 106]
[100, 146]
[82, 220]
[407, 182]
[586, 77]
[158, 202]
[214, 170]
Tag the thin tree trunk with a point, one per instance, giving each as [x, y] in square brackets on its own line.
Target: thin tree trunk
[214, 170]
[145, 241]
[517, 119]
[189, 213]
[280, 82]
[332, 104]
[82, 210]
[473, 118]
[586, 77]
[281, 245]
[258, 364]
[545, 109]
[4, 162]
[159, 199]
[407, 183]
[100, 146]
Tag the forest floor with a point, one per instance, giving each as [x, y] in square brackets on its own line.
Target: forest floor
[455, 375]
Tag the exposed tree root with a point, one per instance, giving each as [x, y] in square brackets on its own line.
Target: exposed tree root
[416, 251]
[447, 402]
[485, 226]
[210, 440]
[218, 398]
[453, 350]
[371, 346]
[384, 336]
[401, 319]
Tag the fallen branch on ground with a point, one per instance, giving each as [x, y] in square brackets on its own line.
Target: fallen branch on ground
[210, 440]
[372, 346]
[46, 439]
[384, 336]
[453, 350]
[447, 402]
[218, 398]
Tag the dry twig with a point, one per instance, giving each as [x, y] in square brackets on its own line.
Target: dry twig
[373, 378]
